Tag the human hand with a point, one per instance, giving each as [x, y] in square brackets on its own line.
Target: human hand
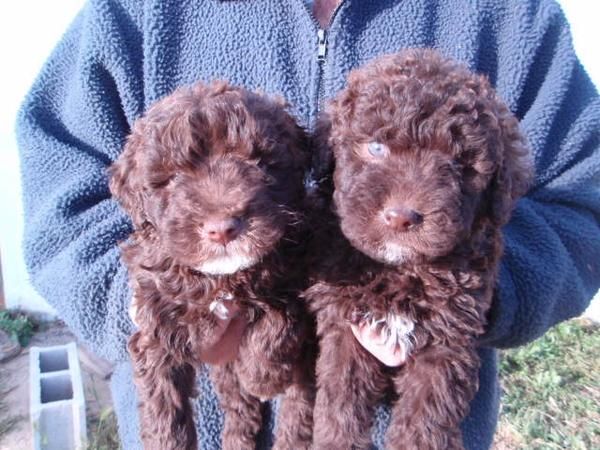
[133, 311]
[228, 332]
[230, 328]
[391, 352]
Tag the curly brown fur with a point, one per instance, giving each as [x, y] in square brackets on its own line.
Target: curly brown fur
[212, 177]
[420, 211]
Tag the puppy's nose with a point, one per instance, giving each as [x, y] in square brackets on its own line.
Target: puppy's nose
[401, 219]
[223, 231]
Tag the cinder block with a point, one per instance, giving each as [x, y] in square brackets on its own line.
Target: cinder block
[57, 404]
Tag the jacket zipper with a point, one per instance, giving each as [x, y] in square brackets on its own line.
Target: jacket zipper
[321, 59]
[321, 55]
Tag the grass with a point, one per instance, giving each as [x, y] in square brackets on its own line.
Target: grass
[103, 431]
[18, 326]
[102, 426]
[552, 391]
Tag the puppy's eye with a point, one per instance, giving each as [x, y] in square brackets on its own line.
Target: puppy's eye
[377, 149]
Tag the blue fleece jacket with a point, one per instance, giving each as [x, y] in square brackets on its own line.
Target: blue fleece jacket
[121, 55]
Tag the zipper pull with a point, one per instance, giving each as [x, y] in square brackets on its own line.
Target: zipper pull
[322, 49]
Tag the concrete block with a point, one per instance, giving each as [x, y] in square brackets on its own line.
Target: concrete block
[57, 404]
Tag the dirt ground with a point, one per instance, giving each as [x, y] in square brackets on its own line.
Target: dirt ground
[14, 396]
[14, 379]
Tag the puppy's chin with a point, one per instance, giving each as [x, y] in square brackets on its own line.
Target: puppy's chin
[386, 253]
[394, 254]
[389, 253]
[226, 264]
[375, 246]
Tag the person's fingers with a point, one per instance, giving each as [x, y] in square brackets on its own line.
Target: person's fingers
[227, 347]
[385, 350]
[223, 309]
[133, 312]
[372, 334]
[225, 312]
[233, 309]
[227, 333]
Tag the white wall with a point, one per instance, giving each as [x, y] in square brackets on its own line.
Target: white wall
[583, 16]
[29, 30]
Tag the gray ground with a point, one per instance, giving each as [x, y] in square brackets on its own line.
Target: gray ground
[14, 387]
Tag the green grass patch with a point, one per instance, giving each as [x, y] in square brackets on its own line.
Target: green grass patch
[552, 391]
[18, 326]
[103, 431]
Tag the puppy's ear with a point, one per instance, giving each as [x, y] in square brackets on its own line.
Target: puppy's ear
[126, 178]
[514, 174]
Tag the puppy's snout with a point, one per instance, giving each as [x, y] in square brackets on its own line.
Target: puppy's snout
[223, 231]
[400, 218]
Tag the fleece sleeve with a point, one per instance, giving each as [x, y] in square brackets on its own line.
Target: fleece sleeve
[70, 128]
[551, 266]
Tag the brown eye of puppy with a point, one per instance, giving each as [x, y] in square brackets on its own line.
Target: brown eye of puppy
[377, 150]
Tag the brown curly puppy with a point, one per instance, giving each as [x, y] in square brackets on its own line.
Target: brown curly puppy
[428, 165]
[212, 177]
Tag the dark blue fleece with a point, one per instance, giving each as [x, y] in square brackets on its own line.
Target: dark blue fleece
[121, 55]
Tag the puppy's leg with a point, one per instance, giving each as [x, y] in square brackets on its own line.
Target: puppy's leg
[295, 417]
[350, 384]
[272, 351]
[276, 360]
[164, 387]
[435, 389]
[242, 410]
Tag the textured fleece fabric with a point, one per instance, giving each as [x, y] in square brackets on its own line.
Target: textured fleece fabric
[119, 56]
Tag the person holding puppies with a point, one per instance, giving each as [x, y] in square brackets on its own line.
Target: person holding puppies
[119, 57]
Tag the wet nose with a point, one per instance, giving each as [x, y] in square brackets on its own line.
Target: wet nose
[401, 219]
[223, 231]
